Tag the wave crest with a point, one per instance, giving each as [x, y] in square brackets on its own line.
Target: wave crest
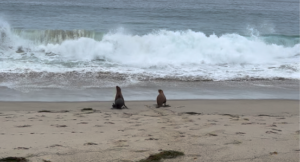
[53, 36]
[173, 48]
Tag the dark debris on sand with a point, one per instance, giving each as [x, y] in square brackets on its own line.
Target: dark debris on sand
[231, 115]
[90, 143]
[46, 160]
[191, 113]
[13, 159]
[49, 111]
[87, 109]
[23, 126]
[168, 154]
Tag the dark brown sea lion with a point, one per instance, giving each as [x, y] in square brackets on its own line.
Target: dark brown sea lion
[161, 99]
[119, 100]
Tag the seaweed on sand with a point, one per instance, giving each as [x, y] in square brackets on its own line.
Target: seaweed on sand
[13, 159]
[168, 154]
[87, 109]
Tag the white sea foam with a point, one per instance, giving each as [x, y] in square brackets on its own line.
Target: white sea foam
[178, 55]
[172, 48]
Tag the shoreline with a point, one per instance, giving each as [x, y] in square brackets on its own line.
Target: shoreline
[145, 91]
[197, 105]
[154, 101]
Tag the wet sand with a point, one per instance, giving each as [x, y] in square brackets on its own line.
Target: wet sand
[174, 90]
[205, 130]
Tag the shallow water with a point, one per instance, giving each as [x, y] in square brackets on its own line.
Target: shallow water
[74, 47]
[172, 90]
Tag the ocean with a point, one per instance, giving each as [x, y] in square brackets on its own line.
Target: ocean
[80, 50]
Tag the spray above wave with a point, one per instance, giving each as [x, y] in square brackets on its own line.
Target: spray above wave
[54, 36]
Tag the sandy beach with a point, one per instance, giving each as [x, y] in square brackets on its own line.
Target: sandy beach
[204, 130]
[229, 70]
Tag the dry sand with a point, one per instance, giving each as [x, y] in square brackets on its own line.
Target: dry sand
[226, 130]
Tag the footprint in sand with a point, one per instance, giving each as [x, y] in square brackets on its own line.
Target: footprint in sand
[212, 120]
[177, 127]
[83, 123]
[109, 123]
[250, 123]
[264, 115]
[276, 130]
[280, 123]
[23, 126]
[55, 145]
[240, 133]
[270, 132]
[21, 148]
[49, 111]
[151, 139]
[90, 143]
[79, 115]
[212, 134]
[209, 124]
[262, 123]
[57, 125]
[235, 142]
[230, 115]
[121, 143]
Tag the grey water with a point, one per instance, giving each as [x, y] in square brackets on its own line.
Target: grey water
[279, 17]
[173, 90]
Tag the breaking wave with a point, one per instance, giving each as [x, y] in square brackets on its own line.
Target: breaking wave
[84, 57]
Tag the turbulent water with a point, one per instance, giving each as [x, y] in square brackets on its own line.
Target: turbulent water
[96, 43]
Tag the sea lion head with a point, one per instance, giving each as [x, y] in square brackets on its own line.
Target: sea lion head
[118, 89]
[160, 91]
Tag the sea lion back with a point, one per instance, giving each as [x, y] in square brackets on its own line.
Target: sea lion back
[119, 100]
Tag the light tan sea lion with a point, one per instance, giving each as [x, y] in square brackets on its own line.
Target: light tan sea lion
[161, 99]
[119, 100]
